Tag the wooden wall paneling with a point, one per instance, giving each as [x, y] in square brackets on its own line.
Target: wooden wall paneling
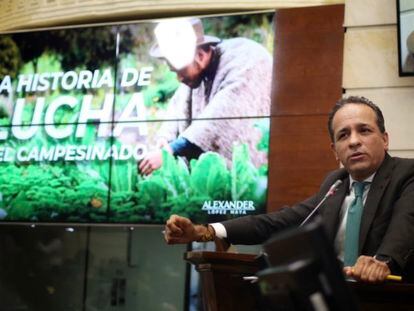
[300, 159]
[308, 59]
[307, 82]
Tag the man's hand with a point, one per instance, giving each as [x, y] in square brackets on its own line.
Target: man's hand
[180, 230]
[368, 269]
[153, 160]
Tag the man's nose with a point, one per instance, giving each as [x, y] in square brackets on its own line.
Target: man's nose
[354, 139]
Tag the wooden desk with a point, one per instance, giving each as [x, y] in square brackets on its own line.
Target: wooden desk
[384, 297]
[222, 284]
[223, 287]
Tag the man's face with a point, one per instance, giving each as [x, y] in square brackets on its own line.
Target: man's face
[358, 142]
[190, 75]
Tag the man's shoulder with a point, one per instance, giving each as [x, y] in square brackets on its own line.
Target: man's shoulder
[395, 169]
[402, 164]
[403, 161]
[238, 41]
[243, 47]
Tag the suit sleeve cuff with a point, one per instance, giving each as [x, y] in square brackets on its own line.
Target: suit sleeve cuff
[220, 230]
[391, 263]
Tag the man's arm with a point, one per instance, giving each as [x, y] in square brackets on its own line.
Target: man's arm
[178, 147]
[184, 148]
[180, 230]
[398, 243]
[256, 229]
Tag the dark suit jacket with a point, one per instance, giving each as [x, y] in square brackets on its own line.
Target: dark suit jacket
[387, 225]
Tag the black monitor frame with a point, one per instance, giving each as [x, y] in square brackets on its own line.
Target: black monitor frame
[303, 272]
[405, 64]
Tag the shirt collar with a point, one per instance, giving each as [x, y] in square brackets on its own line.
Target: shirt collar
[367, 180]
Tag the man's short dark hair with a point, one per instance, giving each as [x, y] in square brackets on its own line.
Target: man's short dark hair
[355, 100]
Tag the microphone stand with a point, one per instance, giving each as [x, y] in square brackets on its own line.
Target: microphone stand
[330, 192]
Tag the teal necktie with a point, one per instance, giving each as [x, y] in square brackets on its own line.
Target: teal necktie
[353, 223]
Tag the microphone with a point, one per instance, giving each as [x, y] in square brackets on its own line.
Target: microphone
[330, 193]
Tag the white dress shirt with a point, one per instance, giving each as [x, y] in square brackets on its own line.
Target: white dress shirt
[343, 213]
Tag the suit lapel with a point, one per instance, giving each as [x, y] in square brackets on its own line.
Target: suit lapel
[333, 207]
[376, 190]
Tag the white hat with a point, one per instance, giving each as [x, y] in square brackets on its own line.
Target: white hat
[177, 40]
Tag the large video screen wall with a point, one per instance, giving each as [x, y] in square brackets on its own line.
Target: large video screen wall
[134, 122]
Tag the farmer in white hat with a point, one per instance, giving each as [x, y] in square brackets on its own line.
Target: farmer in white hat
[221, 81]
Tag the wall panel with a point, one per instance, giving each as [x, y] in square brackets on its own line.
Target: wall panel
[370, 12]
[371, 67]
[398, 109]
[371, 58]
[300, 158]
[308, 55]
[307, 82]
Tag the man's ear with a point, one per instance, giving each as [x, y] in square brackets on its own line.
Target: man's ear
[334, 151]
[386, 140]
[202, 58]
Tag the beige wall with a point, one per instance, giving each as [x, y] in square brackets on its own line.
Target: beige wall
[371, 68]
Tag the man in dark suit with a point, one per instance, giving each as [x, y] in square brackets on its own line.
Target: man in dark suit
[372, 228]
